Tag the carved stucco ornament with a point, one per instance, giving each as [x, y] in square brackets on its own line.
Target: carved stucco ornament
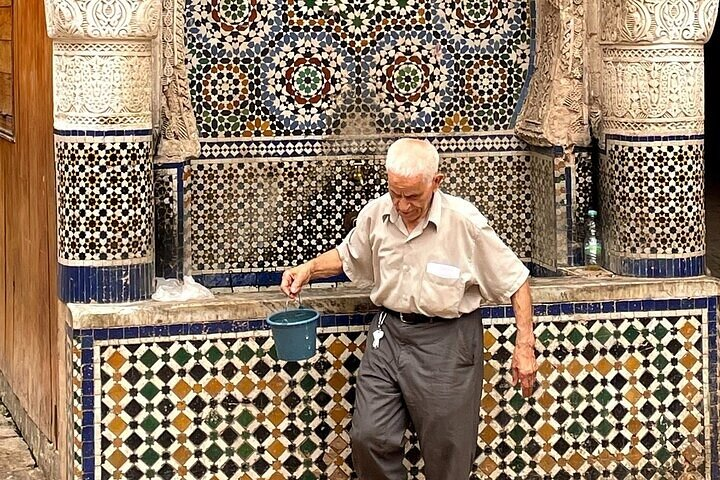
[653, 65]
[102, 19]
[657, 21]
[555, 111]
[179, 135]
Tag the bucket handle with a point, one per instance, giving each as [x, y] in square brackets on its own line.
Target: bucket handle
[296, 301]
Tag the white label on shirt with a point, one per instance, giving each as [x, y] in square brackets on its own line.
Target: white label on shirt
[444, 271]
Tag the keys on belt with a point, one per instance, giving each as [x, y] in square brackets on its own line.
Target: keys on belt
[412, 318]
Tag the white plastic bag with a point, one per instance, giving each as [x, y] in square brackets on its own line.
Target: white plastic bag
[173, 290]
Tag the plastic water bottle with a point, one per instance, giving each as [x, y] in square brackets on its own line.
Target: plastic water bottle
[592, 245]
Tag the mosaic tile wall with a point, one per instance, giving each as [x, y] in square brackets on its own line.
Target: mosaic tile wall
[172, 229]
[561, 190]
[105, 224]
[299, 100]
[654, 211]
[583, 192]
[626, 392]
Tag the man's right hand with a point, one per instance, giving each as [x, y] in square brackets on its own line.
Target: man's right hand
[294, 279]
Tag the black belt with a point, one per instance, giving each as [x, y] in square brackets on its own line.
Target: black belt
[412, 318]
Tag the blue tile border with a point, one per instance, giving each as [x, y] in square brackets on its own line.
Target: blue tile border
[103, 133]
[124, 283]
[658, 267]
[272, 278]
[88, 336]
[252, 279]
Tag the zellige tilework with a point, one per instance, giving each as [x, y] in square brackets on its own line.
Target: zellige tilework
[624, 393]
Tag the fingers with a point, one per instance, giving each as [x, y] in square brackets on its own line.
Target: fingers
[286, 283]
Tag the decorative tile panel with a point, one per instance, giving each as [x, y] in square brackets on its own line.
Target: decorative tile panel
[104, 202]
[653, 205]
[334, 84]
[583, 196]
[542, 187]
[272, 68]
[625, 392]
[171, 198]
[295, 209]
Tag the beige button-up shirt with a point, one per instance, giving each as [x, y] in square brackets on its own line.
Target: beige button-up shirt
[449, 265]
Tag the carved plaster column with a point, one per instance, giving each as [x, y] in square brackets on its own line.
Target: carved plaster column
[554, 122]
[651, 162]
[179, 143]
[103, 146]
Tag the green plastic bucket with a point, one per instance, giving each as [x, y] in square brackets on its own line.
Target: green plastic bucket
[294, 332]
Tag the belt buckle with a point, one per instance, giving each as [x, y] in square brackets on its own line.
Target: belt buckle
[402, 318]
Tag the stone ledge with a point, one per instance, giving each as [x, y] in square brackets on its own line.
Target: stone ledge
[350, 299]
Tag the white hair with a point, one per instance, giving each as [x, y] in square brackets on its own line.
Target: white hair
[410, 157]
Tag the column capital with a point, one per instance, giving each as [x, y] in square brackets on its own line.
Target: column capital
[657, 21]
[102, 19]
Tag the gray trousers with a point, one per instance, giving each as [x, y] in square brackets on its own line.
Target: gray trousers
[430, 374]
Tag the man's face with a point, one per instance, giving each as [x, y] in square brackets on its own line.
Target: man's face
[412, 196]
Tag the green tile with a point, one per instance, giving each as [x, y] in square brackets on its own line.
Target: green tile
[307, 383]
[149, 391]
[517, 401]
[307, 415]
[663, 455]
[149, 358]
[213, 419]
[575, 399]
[575, 429]
[603, 335]
[150, 457]
[661, 393]
[575, 336]
[660, 362]
[308, 447]
[245, 418]
[660, 332]
[214, 354]
[517, 433]
[149, 424]
[214, 452]
[245, 450]
[604, 428]
[546, 337]
[308, 475]
[245, 353]
[182, 356]
[631, 333]
[517, 465]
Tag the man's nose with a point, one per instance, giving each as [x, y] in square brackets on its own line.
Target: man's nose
[403, 205]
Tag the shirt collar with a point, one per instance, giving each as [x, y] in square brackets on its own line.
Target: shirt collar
[434, 214]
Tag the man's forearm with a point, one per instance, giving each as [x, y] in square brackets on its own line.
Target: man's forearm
[325, 265]
[523, 308]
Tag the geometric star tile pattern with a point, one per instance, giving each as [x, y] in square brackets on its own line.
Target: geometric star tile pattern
[653, 199]
[244, 220]
[105, 196]
[269, 77]
[279, 68]
[619, 397]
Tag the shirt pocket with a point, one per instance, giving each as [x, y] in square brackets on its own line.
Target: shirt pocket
[440, 296]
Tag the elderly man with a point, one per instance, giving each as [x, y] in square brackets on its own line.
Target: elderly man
[432, 260]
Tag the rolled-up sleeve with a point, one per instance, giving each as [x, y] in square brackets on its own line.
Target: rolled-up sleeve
[356, 252]
[497, 270]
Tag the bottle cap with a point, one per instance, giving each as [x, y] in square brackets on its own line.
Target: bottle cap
[592, 213]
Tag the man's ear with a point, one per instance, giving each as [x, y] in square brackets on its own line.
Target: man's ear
[437, 180]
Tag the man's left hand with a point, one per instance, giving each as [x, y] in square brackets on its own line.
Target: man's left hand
[524, 367]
